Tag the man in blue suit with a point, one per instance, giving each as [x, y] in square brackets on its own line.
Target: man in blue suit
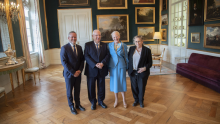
[72, 59]
[97, 57]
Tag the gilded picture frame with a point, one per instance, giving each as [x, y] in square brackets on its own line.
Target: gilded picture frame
[212, 36]
[195, 37]
[211, 10]
[69, 3]
[164, 19]
[112, 4]
[143, 2]
[144, 15]
[196, 12]
[164, 34]
[106, 24]
[164, 5]
[147, 33]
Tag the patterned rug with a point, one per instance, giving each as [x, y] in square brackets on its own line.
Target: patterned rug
[156, 71]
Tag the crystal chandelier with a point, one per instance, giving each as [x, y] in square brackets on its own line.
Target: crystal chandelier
[3, 13]
[14, 11]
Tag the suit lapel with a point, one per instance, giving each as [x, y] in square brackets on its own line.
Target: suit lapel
[94, 47]
[142, 54]
[70, 50]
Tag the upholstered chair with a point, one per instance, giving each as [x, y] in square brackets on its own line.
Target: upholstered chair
[157, 61]
[33, 71]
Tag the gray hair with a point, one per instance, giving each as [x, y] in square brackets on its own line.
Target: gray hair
[115, 32]
[137, 36]
[71, 32]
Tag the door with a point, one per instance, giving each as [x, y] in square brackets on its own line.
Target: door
[78, 20]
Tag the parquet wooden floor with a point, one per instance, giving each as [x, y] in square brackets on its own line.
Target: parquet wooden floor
[171, 99]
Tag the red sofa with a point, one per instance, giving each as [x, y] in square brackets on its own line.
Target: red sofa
[203, 69]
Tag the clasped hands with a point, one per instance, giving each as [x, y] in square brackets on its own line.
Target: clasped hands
[140, 70]
[77, 73]
[99, 65]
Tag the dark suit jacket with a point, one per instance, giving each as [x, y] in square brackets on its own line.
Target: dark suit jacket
[92, 58]
[71, 62]
[145, 60]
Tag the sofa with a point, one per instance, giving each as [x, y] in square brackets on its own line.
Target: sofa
[203, 69]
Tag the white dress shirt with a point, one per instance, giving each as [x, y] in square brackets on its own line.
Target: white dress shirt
[136, 59]
[73, 48]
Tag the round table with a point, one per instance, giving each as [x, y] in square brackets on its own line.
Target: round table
[8, 69]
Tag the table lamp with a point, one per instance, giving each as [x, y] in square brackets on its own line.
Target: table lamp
[157, 35]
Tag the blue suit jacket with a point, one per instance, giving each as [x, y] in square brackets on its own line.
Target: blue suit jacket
[71, 62]
[92, 58]
[118, 59]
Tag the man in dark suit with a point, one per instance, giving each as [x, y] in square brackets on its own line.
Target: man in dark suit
[72, 59]
[97, 57]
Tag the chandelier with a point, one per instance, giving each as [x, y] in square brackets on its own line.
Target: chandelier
[3, 13]
[14, 11]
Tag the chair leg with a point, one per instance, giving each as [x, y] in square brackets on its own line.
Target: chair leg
[160, 68]
[6, 103]
[34, 78]
[39, 75]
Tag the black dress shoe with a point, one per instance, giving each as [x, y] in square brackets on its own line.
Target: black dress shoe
[135, 104]
[80, 107]
[141, 105]
[93, 107]
[103, 105]
[73, 111]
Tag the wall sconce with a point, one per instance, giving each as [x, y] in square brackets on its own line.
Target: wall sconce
[14, 11]
[3, 13]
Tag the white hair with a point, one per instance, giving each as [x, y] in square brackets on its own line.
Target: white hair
[95, 30]
[115, 32]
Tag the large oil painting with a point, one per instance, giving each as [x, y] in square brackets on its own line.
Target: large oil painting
[144, 15]
[106, 24]
[212, 10]
[212, 36]
[112, 4]
[196, 12]
[143, 1]
[164, 5]
[147, 33]
[66, 3]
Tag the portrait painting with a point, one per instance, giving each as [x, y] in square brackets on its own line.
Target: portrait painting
[164, 34]
[144, 15]
[212, 10]
[106, 24]
[143, 1]
[67, 3]
[164, 19]
[212, 36]
[147, 33]
[195, 37]
[196, 12]
[164, 5]
[112, 4]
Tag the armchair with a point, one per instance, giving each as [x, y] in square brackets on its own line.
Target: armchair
[158, 60]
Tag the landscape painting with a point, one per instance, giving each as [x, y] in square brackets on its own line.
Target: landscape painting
[66, 3]
[106, 24]
[144, 15]
[212, 36]
[143, 1]
[164, 19]
[112, 4]
[164, 35]
[195, 37]
[212, 10]
[147, 33]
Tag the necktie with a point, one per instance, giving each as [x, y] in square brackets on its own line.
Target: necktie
[74, 50]
[97, 47]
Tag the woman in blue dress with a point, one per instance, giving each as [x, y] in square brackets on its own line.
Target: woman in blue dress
[118, 64]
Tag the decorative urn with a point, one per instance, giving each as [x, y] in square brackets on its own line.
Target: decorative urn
[10, 54]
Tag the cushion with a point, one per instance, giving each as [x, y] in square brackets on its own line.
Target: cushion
[34, 69]
[203, 72]
[2, 89]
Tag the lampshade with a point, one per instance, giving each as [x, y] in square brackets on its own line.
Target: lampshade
[157, 35]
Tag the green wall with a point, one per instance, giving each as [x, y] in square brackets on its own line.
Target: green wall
[166, 26]
[52, 20]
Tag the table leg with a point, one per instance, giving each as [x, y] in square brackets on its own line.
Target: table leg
[23, 77]
[12, 85]
[18, 78]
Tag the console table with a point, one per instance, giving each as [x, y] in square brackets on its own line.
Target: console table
[180, 58]
[8, 69]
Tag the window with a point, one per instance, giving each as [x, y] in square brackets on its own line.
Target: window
[29, 30]
[178, 25]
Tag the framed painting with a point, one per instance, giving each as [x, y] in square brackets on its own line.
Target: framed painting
[195, 37]
[143, 1]
[106, 24]
[164, 19]
[68, 3]
[212, 36]
[1, 43]
[196, 12]
[164, 5]
[112, 4]
[144, 15]
[212, 10]
[147, 33]
[164, 34]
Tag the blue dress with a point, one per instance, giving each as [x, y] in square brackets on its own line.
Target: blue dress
[117, 68]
